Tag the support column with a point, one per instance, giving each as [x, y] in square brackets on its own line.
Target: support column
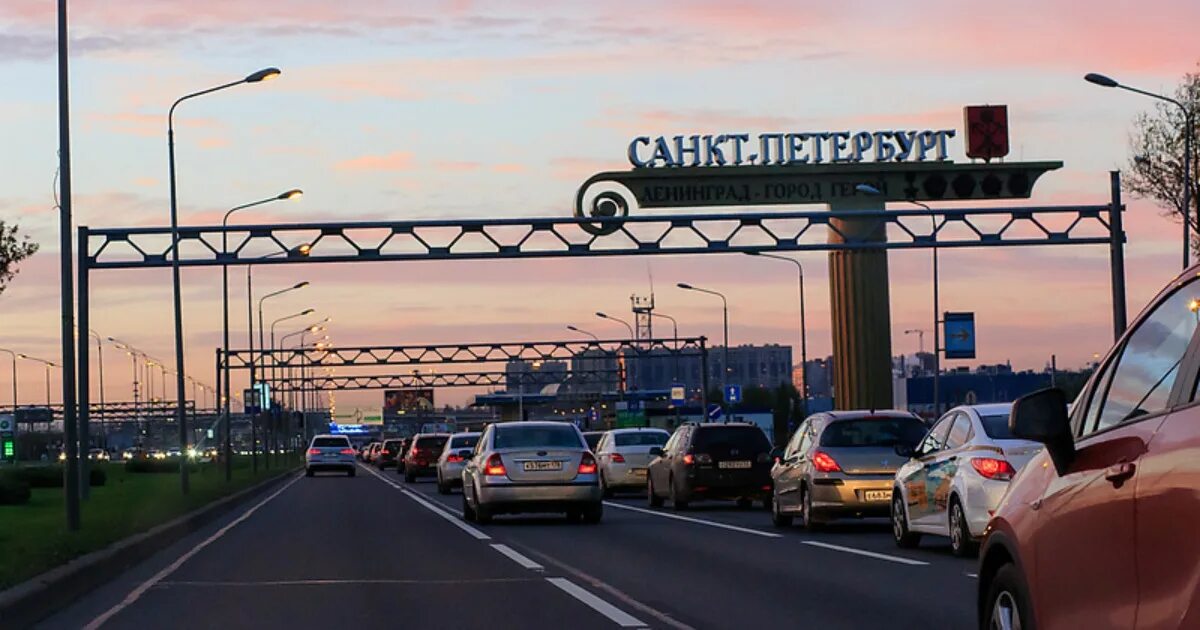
[861, 313]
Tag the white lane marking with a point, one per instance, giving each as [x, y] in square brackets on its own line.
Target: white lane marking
[699, 521]
[863, 552]
[618, 616]
[342, 582]
[457, 522]
[136, 593]
[972, 575]
[517, 557]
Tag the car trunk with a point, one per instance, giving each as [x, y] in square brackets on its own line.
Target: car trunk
[637, 456]
[865, 460]
[544, 465]
[1019, 452]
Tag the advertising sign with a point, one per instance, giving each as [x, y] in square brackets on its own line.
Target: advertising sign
[398, 402]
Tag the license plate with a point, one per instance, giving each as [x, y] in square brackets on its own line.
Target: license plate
[639, 472]
[877, 495]
[536, 466]
[737, 464]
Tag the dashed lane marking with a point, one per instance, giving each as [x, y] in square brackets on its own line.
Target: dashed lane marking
[864, 552]
[457, 522]
[517, 557]
[618, 616]
[698, 521]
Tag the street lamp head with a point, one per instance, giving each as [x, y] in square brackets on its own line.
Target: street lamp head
[753, 253]
[294, 193]
[262, 75]
[601, 315]
[308, 311]
[867, 189]
[684, 285]
[570, 327]
[1100, 79]
[300, 285]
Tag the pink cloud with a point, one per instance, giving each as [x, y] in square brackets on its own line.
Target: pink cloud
[395, 161]
[508, 168]
[456, 166]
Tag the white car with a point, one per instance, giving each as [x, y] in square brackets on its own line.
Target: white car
[454, 456]
[956, 476]
[329, 452]
[624, 455]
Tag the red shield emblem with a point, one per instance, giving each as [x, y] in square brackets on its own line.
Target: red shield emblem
[987, 131]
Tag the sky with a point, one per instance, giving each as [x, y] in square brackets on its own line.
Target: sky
[411, 110]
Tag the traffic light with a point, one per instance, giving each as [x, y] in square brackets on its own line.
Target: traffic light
[8, 448]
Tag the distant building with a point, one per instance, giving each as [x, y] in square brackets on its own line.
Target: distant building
[531, 377]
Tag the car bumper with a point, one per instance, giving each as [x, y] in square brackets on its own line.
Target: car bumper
[847, 497]
[325, 464]
[417, 470]
[980, 500]
[451, 474]
[623, 476]
[513, 498]
[715, 484]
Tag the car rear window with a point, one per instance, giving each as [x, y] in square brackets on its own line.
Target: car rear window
[873, 432]
[432, 443]
[592, 439]
[745, 440]
[330, 442]
[391, 446]
[642, 438]
[536, 436]
[996, 427]
[464, 441]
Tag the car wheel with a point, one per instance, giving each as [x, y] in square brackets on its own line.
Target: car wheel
[778, 518]
[675, 502]
[1008, 604]
[652, 497]
[483, 515]
[468, 513]
[308, 472]
[745, 504]
[443, 487]
[905, 539]
[806, 511]
[961, 544]
[409, 477]
[593, 513]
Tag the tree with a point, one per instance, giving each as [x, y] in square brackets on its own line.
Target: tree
[1155, 169]
[13, 249]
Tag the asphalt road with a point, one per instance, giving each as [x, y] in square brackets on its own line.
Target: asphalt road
[340, 552]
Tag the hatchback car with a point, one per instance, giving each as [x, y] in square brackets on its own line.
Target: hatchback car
[389, 452]
[1099, 529]
[711, 461]
[420, 460]
[956, 477]
[531, 467]
[454, 456]
[841, 464]
[329, 452]
[624, 456]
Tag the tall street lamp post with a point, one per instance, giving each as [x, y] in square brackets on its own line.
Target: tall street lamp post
[1189, 134]
[14, 382]
[175, 281]
[619, 320]
[262, 341]
[580, 331]
[725, 315]
[225, 411]
[803, 330]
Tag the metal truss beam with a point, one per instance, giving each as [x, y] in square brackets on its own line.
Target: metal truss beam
[459, 379]
[475, 239]
[350, 356]
[125, 410]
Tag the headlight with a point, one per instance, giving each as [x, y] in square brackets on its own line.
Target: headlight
[62, 457]
[192, 453]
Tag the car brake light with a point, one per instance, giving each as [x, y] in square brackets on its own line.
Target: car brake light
[494, 467]
[347, 451]
[824, 463]
[618, 458]
[454, 459]
[993, 468]
[587, 465]
[314, 451]
[688, 459]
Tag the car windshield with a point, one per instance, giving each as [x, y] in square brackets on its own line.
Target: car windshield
[464, 441]
[432, 443]
[330, 442]
[996, 427]
[537, 436]
[642, 438]
[873, 432]
[745, 440]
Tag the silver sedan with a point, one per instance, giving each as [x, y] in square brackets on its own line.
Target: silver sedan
[454, 457]
[520, 467]
[624, 455]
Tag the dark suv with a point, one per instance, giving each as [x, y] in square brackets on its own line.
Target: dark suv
[388, 453]
[711, 461]
[421, 456]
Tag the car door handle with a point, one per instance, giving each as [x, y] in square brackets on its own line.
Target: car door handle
[1119, 473]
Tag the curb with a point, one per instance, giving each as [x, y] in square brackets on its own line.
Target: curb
[25, 604]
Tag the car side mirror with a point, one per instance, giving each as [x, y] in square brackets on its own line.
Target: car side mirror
[904, 450]
[1042, 417]
[656, 451]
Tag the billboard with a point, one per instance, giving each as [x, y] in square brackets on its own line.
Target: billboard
[397, 402]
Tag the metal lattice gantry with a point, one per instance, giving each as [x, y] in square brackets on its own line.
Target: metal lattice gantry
[808, 230]
[329, 382]
[435, 354]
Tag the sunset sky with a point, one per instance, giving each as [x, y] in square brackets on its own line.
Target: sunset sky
[407, 110]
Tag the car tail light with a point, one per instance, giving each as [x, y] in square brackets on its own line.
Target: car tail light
[347, 451]
[993, 468]
[454, 459]
[494, 467]
[689, 459]
[618, 458]
[587, 465]
[314, 451]
[822, 462]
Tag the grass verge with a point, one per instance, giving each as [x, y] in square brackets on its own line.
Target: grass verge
[34, 536]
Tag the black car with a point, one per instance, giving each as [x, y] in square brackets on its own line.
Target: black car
[389, 453]
[711, 461]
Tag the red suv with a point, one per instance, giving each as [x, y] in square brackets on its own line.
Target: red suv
[1102, 529]
[421, 457]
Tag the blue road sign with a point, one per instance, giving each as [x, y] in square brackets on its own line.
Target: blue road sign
[714, 411]
[733, 393]
[678, 394]
[959, 331]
